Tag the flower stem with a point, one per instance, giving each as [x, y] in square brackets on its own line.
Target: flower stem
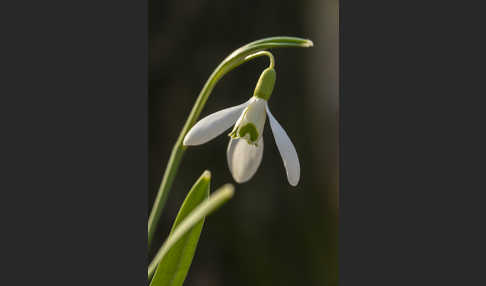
[232, 61]
[263, 53]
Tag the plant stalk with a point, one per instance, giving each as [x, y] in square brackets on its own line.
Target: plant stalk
[232, 61]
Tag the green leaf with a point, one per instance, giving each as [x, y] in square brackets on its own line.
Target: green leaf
[175, 275]
[173, 269]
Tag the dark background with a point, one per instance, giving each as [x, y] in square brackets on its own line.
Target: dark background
[74, 145]
[270, 233]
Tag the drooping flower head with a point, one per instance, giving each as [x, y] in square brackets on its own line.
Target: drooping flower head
[245, 149]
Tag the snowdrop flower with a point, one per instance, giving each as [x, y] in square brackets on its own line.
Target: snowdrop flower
[245, 149]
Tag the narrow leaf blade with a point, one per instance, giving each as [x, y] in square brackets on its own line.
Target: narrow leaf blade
[173, 269]
[208, 206]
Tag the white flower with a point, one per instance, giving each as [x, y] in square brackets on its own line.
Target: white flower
[245, 149]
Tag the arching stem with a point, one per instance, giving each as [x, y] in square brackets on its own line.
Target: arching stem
[232, 61]
[260, 54]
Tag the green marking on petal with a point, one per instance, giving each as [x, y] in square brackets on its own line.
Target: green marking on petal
[250, 129]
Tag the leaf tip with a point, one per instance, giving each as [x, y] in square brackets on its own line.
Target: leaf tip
[207, 175]
[308, 43]
[228, 190]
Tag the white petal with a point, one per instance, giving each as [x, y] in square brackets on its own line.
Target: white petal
[243, 158]
[286, 149]
[213, 125]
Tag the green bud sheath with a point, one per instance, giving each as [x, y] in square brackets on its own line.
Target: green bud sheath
[265, 84]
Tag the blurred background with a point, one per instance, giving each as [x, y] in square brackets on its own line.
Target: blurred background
[270, 233]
